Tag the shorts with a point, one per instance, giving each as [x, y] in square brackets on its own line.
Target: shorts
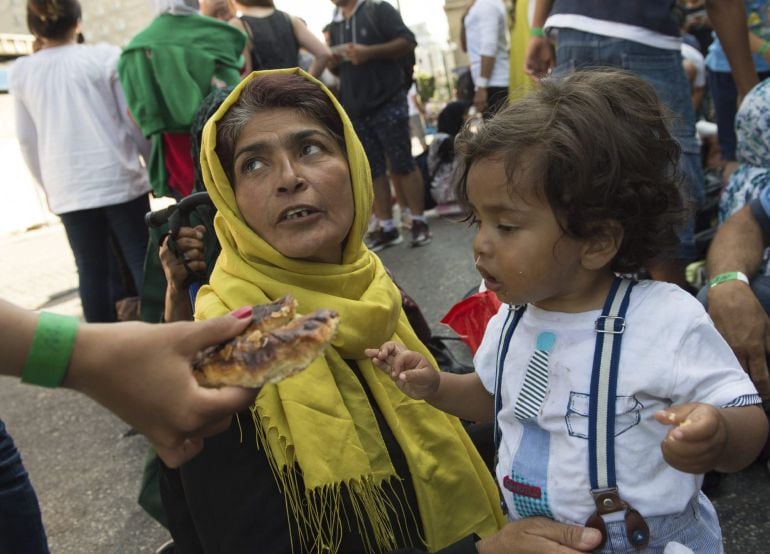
[662, 69]
[385, 134]
[696, 528]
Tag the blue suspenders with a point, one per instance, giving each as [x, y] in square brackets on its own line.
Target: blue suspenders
[601, 419]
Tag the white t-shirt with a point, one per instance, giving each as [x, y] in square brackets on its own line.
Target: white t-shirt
[671, 354]
[486, 34]
[410, 96]
[612, 29]
[74, 130]
[694, 55]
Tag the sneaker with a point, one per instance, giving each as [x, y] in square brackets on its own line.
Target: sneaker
[420, 233]
[381, 239]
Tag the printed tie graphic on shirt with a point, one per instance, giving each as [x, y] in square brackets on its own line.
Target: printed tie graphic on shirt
[529, 470]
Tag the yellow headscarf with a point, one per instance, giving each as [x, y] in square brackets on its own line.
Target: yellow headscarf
[320, 422]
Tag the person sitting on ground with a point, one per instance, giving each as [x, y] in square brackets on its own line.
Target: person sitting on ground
[738, 295]
[275, 38]
[442, 162]
[292, 189]
[568, 188]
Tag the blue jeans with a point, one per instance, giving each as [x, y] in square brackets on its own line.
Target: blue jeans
[89, 232]
[21, 525]
[662, 69]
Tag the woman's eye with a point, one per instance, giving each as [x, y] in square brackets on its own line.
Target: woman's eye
[309, 149]
[252, 165]
[506, 228]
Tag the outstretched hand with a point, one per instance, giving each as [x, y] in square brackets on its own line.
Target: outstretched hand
[697, 439]
[410, 370]
[143, 374]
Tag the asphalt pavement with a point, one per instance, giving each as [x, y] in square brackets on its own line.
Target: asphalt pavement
[86, 468]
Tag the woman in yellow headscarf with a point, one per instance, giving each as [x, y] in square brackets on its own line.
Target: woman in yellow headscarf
[335, 459]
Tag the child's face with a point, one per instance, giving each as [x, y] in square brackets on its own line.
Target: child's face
[520, 250]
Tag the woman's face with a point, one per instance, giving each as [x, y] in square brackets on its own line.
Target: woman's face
[292, 185]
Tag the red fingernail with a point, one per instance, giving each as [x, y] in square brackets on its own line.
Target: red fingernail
[242, 313]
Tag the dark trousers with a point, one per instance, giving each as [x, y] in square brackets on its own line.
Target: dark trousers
[724, 94]
[90, 233]
[21, 525]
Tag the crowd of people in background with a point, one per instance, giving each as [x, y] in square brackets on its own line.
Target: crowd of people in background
[245, 101]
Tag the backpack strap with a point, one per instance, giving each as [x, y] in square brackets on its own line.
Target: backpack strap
[609, 327]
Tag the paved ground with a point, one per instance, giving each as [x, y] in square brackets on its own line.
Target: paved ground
[86, 471]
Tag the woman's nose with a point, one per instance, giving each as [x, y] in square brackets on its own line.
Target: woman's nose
[291, 181]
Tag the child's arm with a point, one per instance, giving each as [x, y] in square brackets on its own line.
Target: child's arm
[705, 438]
[461, 395]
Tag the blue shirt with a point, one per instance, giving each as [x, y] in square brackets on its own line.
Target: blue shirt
[757, 12]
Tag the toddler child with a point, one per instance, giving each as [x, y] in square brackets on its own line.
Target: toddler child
[610, 398]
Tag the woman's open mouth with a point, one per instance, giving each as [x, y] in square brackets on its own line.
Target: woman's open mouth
[298, 213]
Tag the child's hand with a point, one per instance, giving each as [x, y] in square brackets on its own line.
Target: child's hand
[698, 438]
[411, 372]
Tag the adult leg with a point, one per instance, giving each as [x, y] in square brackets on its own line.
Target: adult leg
[126, 221]
[88, 235]
[388, 233]
[21, 524]
[392, 128]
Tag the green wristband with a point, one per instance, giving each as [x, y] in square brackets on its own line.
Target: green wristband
[536, 32]
[763, 48]
[49, 354]
[729, 276]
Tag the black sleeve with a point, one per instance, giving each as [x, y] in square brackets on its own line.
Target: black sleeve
[464, 546]
[390, 24]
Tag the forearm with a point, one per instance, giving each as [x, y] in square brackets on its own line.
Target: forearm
[177, 306]
[487, 65]
[16, 332]
[737, 246]
[746, 435]
[390, 50]
[540, 15]
[463, 396]
[728, 18]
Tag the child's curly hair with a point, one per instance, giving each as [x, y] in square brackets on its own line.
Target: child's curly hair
[598, 146]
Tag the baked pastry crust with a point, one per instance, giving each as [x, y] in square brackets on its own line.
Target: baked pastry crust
[275, 345]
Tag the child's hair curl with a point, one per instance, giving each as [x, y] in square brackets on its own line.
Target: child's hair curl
[598, 146]
[52, 19]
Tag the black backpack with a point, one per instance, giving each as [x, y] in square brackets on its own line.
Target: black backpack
[407, 61]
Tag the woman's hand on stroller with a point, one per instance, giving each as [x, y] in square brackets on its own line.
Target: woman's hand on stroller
[183, 256]
[410, 370]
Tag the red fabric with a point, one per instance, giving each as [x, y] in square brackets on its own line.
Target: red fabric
[469, 317]
[178, 160]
